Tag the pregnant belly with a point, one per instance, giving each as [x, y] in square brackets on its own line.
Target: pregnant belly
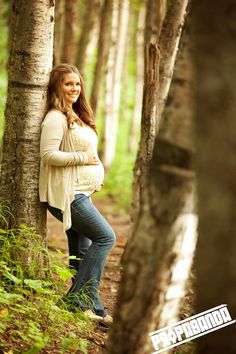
[90, 177]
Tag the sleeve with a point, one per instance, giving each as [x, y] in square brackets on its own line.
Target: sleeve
[51, 137]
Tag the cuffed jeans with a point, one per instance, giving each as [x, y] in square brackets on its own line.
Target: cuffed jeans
[90, 238]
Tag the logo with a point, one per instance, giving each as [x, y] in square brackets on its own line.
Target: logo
[191, 328]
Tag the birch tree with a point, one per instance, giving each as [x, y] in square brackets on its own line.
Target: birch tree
[113, 79]
[135, 124]
[31, 46]
[167, 35]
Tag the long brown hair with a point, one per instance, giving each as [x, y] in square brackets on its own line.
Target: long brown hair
[81, 110]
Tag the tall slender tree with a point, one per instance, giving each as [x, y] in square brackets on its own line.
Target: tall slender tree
[139, 46]
[31, 47]
[167, 35]
[215, 111]
[68, 54]
[58, 31]
[113, 80]
[103, 48]
[91, 15]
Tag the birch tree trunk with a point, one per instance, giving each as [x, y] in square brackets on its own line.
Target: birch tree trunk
[175, 141]
[159, 253]
[171, 21]
[92, 10]
[103, 48]
[215, 94]
[169, 42]
[30, 61]
[135, 124]
[129, 330]
[68, 53]
[113, 80]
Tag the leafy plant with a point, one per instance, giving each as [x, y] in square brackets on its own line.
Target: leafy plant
[32, 314]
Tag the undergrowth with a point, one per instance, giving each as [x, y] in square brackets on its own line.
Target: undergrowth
[33, 317]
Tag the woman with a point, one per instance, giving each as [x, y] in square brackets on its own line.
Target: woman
[70, 172]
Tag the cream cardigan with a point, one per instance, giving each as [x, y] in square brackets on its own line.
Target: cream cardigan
[58, 167]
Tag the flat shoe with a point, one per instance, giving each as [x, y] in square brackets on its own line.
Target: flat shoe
[107, 320]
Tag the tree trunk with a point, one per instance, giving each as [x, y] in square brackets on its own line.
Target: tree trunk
[29, 65]
[127, 321]
[155, 15]
[153, 22]
[175, 136]
[70, 31]
[169, 42]
[58, 31]
[215, 94]
[114, 76]
[91, 14]
[139, 81]
[103, 48]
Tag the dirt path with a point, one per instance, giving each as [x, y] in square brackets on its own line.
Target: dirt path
[111, 276]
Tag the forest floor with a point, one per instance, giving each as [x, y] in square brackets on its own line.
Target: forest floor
[111, 277]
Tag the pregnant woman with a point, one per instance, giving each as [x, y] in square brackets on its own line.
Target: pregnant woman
[70, 172]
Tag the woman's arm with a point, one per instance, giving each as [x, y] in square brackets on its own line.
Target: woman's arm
[53, 129]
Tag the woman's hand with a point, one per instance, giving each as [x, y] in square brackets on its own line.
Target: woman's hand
[92, 158]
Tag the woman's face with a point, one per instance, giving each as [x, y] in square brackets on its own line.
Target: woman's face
[71, 88]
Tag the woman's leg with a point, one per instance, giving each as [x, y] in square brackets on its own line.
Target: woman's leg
[77, 243]
[78, 246]
[87, 220]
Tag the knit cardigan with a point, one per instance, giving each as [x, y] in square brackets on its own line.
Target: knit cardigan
[58, 167]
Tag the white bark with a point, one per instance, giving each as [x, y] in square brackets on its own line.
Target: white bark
[135, 125]
[114, 76]
[29, 65]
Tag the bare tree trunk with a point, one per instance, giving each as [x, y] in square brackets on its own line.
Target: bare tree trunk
[92, 10]
[58, 31]
[103, 48]
[114, 76]
[29, 65]
[153, 22]
[175, 139]
[169, 42]
[215, 94]
[128, 323]
[139, 80]
[155, 15]
[159, 253]
[70, 30]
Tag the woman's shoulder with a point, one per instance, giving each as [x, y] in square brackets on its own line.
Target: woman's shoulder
[55, 117]
[53, 112]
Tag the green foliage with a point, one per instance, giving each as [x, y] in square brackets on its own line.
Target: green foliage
[32, 314]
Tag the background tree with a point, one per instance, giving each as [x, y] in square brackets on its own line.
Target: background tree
[103, 50]
[215, 95]
[90, 17]
[58, 31]
[113, 79]
[167, 211]
[166, 33]
[31, 45]
[68, 54]
[139, 49]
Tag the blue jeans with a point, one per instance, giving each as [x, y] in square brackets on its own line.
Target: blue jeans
[89, 238]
